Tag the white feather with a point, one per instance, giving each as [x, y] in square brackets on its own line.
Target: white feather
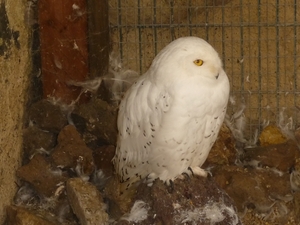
[237, 123]
[214, 212]
[25, 196]
[117, 80]
[138, 212]
[295, 180]
[286, 125]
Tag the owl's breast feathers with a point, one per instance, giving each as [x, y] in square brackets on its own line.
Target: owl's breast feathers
[156, 122]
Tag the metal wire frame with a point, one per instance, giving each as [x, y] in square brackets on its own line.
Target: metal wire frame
[273, 58]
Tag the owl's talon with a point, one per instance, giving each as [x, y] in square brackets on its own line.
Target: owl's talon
[186, 175]
[192, 172]
[170, 186]
[150, 179]
[199, 171]
[169, 182]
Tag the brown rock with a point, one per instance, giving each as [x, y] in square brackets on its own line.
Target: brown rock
[223, 151]
[47, 116]
[296, 201]
[103, 159]
[276, 184]
[297, 135]
[60, 24]
[271, 135]
[21, 216]
[86, 202]
[35, 139]
[188, 201]
[295, 176]
[97, 118]
[297, 165]
[71, 151]
[281, 156]
[254, 188]
[42, 175]
[122, 202]
[240, 187]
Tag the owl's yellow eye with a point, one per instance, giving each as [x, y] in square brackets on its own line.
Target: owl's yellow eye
[198, 62]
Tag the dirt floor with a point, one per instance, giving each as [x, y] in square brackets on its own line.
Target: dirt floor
[67, 172]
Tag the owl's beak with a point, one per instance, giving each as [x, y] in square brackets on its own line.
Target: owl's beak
[217, 76]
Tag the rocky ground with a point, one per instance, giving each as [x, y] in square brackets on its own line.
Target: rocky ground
[68, 178]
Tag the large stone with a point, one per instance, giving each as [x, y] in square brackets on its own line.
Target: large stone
[280, 156]
[258, 188]
[36, 140]
[103, 159]
[297, 136]
[223, 151]
[71, 152]
[271, 135]
[86, 202]
[40, 173]
[22, 216]
[47, 116]
[296, 201]
[194, 200]
[98, 119]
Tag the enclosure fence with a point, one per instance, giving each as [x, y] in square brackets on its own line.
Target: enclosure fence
[258, 41]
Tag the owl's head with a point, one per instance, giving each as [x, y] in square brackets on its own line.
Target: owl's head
[188, 56]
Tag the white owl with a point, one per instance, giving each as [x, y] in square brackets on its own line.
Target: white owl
[170, 117]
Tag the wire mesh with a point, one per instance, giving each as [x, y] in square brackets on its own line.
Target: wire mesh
[258, 42]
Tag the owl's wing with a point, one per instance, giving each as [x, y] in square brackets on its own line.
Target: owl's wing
[140, 114]
[142, 108]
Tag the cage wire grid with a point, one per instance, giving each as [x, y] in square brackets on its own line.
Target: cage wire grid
[258, 42]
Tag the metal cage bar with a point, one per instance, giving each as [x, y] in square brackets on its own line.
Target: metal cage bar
[257, 40]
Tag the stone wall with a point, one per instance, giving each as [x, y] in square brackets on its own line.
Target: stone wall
[14, 80]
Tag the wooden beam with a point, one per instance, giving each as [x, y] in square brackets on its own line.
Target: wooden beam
[99, 45]
[64, 46]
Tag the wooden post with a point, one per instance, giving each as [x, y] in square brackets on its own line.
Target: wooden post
[64, 47]
[74, 41]
[98, 37]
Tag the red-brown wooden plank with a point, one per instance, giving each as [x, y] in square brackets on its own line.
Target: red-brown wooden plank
[64, 46]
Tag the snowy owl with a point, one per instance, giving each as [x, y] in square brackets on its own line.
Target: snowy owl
[170, 117]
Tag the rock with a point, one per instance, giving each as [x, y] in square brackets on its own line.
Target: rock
[72, 152]
[22, 216]
[98, 119]
[47, 116]
[231, 179]
[223, 151]
[253, 188]
[119, 203]
[297, 136]
[55, 208]
[63, 211]
[35, 139]
[194, 200]
[280, 156]
[40, 173]
[271, 135]
[86, 202]
[296, 201]
[295, 176]
[103, 159]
